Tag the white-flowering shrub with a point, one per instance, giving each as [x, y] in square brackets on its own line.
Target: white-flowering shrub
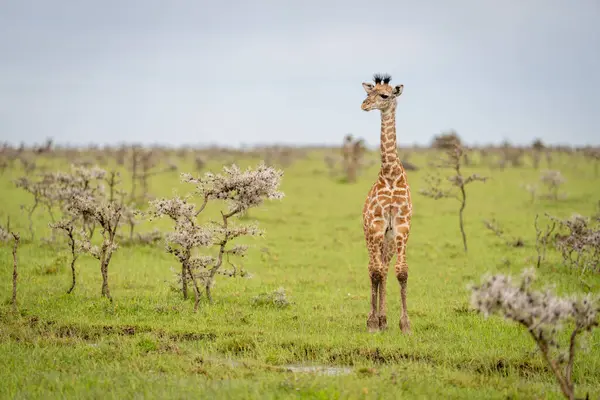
[241, 190]
[107, 215]
[543, 314]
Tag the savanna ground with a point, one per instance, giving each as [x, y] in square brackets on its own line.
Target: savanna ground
[149, 343]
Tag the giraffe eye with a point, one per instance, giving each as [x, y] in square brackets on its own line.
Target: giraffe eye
[384, 96]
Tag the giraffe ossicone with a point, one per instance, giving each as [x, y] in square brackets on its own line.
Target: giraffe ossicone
[388, 208]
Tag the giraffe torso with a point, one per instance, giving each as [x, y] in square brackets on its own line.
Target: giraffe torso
[388, 207]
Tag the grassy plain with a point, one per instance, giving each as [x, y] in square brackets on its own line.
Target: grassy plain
[150, 343]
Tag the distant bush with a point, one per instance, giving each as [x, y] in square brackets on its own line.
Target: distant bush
[446, 141]
[553, 180]
[276, 298]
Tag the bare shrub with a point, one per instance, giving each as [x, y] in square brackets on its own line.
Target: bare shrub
[241, 190]
[544, 315]
[580, 245]
[435, 189]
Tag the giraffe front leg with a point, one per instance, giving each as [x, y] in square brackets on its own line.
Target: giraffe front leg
[374, 236]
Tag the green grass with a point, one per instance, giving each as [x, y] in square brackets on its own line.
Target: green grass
[150, 343]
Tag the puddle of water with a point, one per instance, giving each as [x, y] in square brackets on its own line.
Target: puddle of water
[318, 369]
[299, 368]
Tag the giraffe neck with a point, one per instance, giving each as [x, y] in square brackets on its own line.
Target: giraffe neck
[389, 153]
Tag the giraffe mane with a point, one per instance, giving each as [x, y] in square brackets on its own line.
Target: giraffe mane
[379, 78]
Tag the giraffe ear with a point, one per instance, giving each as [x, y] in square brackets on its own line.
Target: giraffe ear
[398, 90]
[368, 87]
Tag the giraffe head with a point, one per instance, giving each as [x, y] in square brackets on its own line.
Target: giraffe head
[381, 95]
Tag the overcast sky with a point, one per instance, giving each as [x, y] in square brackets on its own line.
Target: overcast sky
[232, 72]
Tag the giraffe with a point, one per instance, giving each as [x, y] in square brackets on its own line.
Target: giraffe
[388, 208]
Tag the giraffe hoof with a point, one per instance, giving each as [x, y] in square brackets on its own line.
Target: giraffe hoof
[373, 324]
[382, 322]
[405, 325]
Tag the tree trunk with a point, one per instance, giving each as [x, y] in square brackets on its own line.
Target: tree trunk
[460, 216]
[184, 279]
[74, 258]
[105, 289]
[104, 260]
[196, 288]
[73, 274]
[208, 295]
[16, 238]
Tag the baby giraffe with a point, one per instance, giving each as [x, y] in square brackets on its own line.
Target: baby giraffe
[388, 208]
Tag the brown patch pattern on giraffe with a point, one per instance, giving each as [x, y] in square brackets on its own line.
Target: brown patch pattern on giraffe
[388, 208]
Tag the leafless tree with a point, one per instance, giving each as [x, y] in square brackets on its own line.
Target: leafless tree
[6, 235]
[436, 191]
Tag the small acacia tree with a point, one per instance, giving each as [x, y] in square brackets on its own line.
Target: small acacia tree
[6, 235]
[107, 215]
[436, 191]
[67, 189]
[75, 244]
[241, 190]
[543, 315]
